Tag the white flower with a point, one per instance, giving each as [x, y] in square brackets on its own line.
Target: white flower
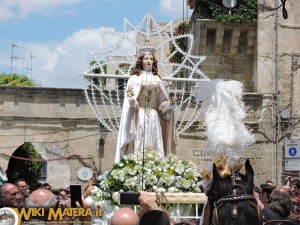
[159, 174]
[172, 189]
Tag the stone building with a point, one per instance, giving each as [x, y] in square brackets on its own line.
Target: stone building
[276, 71]
[265, 56]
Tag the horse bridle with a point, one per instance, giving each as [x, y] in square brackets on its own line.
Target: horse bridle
[234, 197]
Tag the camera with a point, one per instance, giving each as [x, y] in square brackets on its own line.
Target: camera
[128, 198]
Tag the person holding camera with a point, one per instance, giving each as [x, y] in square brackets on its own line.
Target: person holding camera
[151, 214]
[146, 203]
[266, 190]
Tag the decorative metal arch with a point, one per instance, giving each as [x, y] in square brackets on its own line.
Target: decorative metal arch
[104, 90]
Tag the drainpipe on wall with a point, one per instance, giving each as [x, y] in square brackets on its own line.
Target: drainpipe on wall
[276, 77]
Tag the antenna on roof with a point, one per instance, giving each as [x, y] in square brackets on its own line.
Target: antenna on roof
[14, 57]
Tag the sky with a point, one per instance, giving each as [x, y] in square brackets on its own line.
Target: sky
[48, 40]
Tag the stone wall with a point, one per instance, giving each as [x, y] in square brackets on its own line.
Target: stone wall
[277, 72]
[61, 124]
[58, 122]
[229, 49]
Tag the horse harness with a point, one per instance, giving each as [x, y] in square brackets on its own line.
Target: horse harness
[234, 197]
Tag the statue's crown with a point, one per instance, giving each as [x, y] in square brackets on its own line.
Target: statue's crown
[147, 49]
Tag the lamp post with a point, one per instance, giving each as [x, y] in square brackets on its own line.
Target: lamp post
[101, 145]
[103, 135]
[182, 10]
[187, 12]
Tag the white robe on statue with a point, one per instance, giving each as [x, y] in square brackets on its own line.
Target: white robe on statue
[149, 122]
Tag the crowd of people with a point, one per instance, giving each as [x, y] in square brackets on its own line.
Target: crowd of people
[276, 202]
[281, 202]
[18, 195]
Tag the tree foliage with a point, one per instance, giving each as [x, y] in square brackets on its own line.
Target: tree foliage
[16, 80]
[245, 11]
[99, 70]
[28, 170]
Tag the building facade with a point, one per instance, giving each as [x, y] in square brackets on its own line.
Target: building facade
[265, 56]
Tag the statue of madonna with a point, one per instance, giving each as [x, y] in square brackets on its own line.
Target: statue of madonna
[147, 120]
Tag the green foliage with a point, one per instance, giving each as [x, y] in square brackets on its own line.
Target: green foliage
[245, 11]
[30, 171]
[16, 80]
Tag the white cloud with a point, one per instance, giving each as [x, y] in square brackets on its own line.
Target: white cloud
[60, 64]
[43, 7]
[174, 8]
[6, 14]
[14, 9]
[64, 62]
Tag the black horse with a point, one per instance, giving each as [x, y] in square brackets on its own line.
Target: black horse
[232, 201]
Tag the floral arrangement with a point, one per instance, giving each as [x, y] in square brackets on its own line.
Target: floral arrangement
[180, 29]
[159, 174]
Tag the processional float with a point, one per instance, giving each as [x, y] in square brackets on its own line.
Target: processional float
[218, 101]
